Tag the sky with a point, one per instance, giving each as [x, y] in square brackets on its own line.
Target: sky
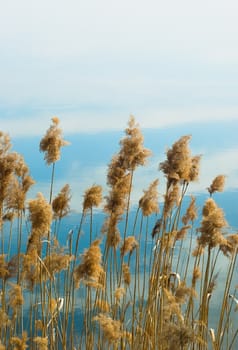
[172, 64]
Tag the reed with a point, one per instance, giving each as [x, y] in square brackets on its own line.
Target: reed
[147, 280]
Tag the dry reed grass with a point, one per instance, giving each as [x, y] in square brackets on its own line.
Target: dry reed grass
[133, 287]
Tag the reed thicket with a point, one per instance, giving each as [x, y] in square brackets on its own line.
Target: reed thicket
[147, 279]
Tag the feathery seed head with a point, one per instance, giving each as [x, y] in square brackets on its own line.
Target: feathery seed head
[177, 336]
[178, 163]
[102, 305]
[129, 244]
[196, 275]
[149, 201]
[55, 120]
[19, 343]
[92, 197]
[60, 204]
[212, 224]
[4, 272]
[119, 293]
[229, 246]
[52, 142]
[4, 320]
[182, 293]
[5, 143]
[195, 167]
[191, 212]
[41, 343]
[90, 267]
[52, 264]
[39, 325]
[181, 234]
[132, 150]
[110, 228]
[40, 214]
[111, 328]
[172, 198]
[119, 181]
[171, 306]
[15, 296]
[217, 184]
[126, 274]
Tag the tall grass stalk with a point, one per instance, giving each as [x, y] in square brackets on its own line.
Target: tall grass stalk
[147, 280]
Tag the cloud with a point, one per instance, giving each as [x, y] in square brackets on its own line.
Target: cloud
[93, 63]
[87, 51]
[220, 163]
[77, 27]
[96, 119]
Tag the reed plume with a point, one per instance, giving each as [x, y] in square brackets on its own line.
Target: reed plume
[191, 212]
[133, 153]
[110, 228]
[116, 201]
[171, 198]
[129, 244]
[217, 184]
[40, 216]
[4, 320]
[8, 169]
[102, 305]
[52, 264]
[182, 292]
[212, 224]
[16, 299]
[196, 275]
[177, 336]
[195, 168]
[126, 274]
[92, 197]
[30, 264]
[61, 203]
[111, 328]
[19, 343]
[171, 306]
[8, 162]
[90, 268]
[52, 142]
[181, 234]
[179, 161]
[19, 184]
[149, 201]
[4, 271]
[41, 343]
[119, 181]
[229, 245]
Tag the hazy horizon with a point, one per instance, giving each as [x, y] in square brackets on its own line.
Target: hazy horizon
[84, 162]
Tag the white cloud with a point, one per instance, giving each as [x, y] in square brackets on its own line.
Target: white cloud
[77, 27]
[221, 163]
[93, 63]
[52, 50]
[105, 120]
[148, 58]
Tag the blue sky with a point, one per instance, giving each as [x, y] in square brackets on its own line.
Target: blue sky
[172, 64]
